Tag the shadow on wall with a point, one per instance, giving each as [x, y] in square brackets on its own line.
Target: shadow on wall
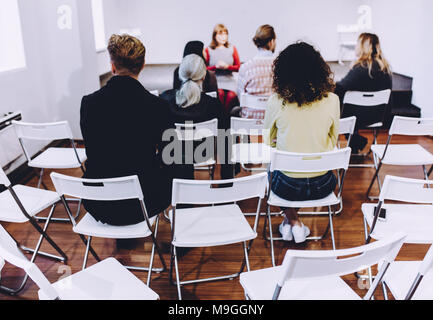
[68, 105]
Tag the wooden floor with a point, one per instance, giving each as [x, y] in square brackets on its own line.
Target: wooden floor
[209, 262]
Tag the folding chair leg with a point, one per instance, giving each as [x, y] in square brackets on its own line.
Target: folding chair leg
[40, 219]
[414, 287]
[86, 255]
[63, 257]
[247, 262]
[178, 283]
[40, 174]
[179, 293]
[271, 236]
[211, 172]
[385, 291]
[331, 226]
[154, 246]
[36, 250]
[376, 176]
[426, 174]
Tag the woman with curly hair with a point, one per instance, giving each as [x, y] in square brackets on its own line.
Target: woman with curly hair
[302, 116]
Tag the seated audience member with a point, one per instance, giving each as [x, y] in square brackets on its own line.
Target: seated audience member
[122, 125]
[210, 81]
[223, 58]
[190, 103]
[255, 75]
[370, 72]
[302, 116]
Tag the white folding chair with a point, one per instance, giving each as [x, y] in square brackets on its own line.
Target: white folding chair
[403, 154]
[216, 225]
[108, 190]
[106, 280]
[412, 214]
[411, 280]
[304, 163]
[245, 152]
[255, 103]
[20, 204]
[347, 127]
[369, 101]
[189, 132]
[51, 158]
[315, 275]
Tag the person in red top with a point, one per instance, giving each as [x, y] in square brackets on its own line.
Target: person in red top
[223, 58]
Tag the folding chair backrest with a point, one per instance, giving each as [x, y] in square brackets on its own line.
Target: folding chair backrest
[155, 92]
[316, 264]
[212, 94]
[10, 252]
[4, 180]
[254, 102]
[411, 126]
[43, 131]
[196, 131]
[311, 162]
[205, 192]
[407, 190]
[367, 99]
[98, 189]
[347, 125]
[244, 126]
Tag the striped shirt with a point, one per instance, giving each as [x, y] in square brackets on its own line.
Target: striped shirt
[255, 77]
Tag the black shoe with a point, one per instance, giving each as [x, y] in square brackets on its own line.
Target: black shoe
[357, 143]
[126, 244]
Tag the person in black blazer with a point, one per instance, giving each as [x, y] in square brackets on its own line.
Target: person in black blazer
[122, 126]
[371, 72]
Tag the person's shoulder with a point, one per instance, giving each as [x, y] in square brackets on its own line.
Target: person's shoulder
[332, 99]
[332, 102]
[94, 98]
[274, 101]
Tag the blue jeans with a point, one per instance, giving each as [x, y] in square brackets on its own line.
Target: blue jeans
[303, 189]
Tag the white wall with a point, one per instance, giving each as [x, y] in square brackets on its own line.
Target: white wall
[167, 25]
[61, 64]
[405, 29]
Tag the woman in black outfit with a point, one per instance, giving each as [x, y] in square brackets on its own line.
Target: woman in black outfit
[370, 72]
[210, 82]
[190, 103]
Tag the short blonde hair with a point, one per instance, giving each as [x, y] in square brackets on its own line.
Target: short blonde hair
[127, 53]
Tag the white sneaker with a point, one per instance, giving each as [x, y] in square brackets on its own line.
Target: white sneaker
[286, 231]
[300, 233]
